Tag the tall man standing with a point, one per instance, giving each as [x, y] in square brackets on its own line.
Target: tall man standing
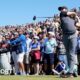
[49, 50]
[27, 55]
[21, 42]
[68, 26]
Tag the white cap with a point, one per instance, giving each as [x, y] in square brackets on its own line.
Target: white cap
[36, 37]
[16, 33]
[52, 33]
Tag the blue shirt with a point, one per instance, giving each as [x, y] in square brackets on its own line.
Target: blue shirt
[14, 47]
[49, 45]
[21, 41]
[42, 45]
[34, 45]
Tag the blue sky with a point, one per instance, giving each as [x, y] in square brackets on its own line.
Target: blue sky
[21, 11]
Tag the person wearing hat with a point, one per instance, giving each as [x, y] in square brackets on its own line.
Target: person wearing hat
[35, 54]
[49, 50]
[68, 26]
[64, 10]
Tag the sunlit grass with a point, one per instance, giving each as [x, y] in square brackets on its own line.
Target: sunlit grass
[36, 78]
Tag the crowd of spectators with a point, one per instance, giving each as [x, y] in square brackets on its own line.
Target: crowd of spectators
[35, 48]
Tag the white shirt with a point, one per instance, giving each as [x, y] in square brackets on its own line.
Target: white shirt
[28, 42]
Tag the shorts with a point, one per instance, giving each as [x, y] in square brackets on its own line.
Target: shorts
[27, 58]
[49, 59]
[20, 57]
[33, 60]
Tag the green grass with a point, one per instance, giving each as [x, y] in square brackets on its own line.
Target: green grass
[35, 78]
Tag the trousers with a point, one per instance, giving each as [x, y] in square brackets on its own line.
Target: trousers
[70, 43]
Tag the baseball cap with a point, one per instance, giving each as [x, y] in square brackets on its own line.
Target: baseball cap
[36, 37]
[62, 7]
[52, 33]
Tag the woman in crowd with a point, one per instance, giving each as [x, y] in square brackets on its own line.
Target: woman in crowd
[35, 54]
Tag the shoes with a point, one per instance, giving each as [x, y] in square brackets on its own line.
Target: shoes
[67, 75]
[27, 74]
[75, 75]
[36, 74]
[24, 74]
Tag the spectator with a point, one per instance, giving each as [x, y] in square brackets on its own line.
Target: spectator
[21, 41]
[35, 54]
[62, 54]
[4, 64]
[27, 55]
[14, 53]
[49, 49]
